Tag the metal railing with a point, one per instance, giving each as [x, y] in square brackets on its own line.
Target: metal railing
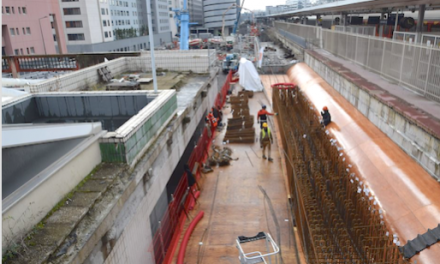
[415, 66]
[363, 30]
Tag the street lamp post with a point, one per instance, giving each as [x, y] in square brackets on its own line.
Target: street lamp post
[42, 36]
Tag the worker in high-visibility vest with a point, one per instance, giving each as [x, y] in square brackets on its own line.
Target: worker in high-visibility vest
[266, 141]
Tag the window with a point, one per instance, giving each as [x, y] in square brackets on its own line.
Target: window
[27, 51]
[3, 10]
[72, 11]
[104, 23]
[21, 51]
[106, 11]
[13, 11]
[24, 32]
[8, 10]
[28, 30]
[23, 9]
[52, 25]
[17, 31]
[106, 34]
[102, 11]
[12, 31]
[75, 37]
[74, 24]
[17, 52]
[110, 34]
[171, 15]
[32, 50]
[19, 11]
[54, 37]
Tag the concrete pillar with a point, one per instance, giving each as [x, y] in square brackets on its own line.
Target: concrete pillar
[420, 19]
[382, 16]
[395, 22]
[61, 44]
[13, 64]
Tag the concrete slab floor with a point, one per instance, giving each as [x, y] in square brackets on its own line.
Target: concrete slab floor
[234, 205]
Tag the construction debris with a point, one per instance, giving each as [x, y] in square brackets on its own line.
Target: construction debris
[221, 157]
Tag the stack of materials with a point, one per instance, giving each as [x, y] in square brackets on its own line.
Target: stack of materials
[241, 127]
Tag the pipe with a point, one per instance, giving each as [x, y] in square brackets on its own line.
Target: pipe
[184, 244]
[12, 82]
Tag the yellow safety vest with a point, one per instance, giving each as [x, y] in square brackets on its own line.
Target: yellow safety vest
[264, 133]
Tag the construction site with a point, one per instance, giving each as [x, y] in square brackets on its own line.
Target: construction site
[283, 143]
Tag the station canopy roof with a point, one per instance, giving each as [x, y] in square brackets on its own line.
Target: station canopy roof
[361, 6]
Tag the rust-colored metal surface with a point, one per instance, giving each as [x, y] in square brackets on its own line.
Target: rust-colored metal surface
[356, 191]
[234, 205]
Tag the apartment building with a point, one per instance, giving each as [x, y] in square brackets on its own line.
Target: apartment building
[113, 25]
[32, 27]
[298, 4]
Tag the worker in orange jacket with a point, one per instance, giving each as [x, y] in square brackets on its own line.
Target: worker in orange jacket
[211, 120]
[262, 116]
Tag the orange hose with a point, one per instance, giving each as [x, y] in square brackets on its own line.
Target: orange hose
[182, 249]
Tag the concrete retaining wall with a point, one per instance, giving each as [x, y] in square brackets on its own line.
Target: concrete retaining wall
[197, 61]
[173, 60]
[124, 235]
[414, 140]
[137, 134]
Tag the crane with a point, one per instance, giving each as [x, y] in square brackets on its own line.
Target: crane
[235, 26]
[182, 17]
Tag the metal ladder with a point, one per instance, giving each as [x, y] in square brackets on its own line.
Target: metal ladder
[257, 256]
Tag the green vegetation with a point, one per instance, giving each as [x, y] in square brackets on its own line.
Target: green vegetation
[14, 250]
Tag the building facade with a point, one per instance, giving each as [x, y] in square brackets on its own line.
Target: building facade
[113, 25]
[298, 4]
[213, 11]
[32, 27]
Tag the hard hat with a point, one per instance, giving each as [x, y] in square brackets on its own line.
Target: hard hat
[325, 108]
[264, 125]
[264, 106]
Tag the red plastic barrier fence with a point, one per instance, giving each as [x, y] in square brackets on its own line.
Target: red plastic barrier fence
[166, 235]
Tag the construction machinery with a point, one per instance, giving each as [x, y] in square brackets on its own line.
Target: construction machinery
[230, 63]
[182, 17]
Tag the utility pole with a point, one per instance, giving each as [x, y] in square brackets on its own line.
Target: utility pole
[150, 35]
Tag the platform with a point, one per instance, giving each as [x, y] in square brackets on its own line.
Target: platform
[235, 206]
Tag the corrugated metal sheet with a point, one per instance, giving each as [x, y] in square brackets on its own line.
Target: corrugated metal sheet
[421, 242]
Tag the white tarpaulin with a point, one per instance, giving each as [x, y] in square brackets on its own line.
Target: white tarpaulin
[249, 78]
[260, 60]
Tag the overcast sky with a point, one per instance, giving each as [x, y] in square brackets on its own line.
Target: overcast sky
[261, 4]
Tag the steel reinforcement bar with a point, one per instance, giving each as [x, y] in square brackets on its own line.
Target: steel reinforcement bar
[337, 222]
